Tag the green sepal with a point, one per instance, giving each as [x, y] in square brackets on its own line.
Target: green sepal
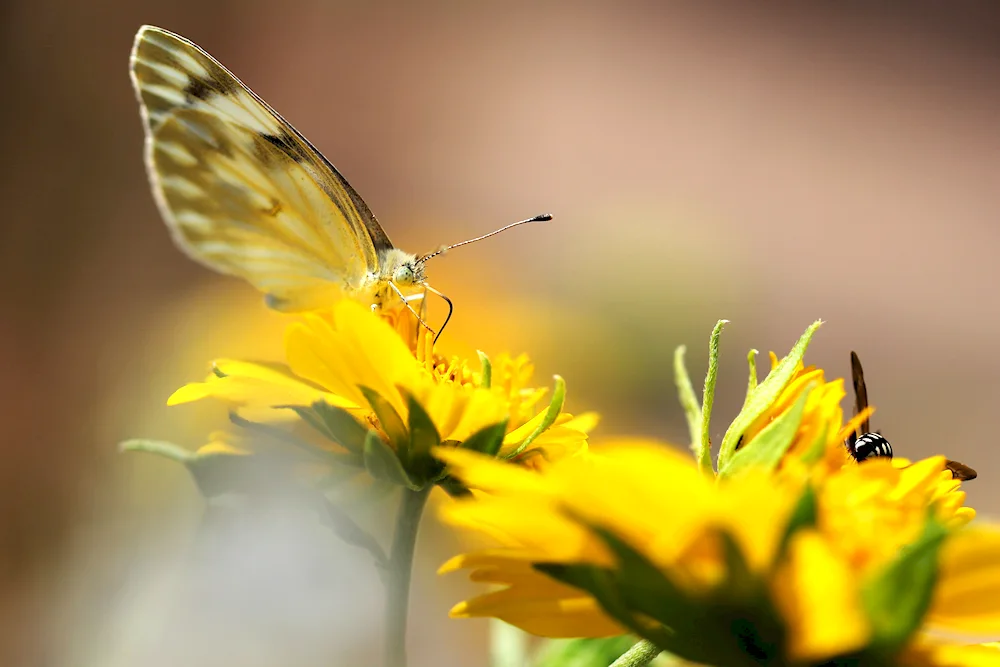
[604, 586]
[551, 414]
[897, 597]
[424, 436]
[162, 448]
[334, 423]
[752, 377]
[487, 370]
[487, 440]
[763, 395]
[692, 410]
[392, 424]
[219, 473]
[708, 397]
[281, 435]
[804, 515]
[454, 487]
[817, 450]
[769, 446]
[734, 624]
[382, 463]
[214, 473]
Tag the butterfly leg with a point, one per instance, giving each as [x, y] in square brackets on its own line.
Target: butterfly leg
[406, 302]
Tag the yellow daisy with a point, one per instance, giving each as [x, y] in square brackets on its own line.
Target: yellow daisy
[352, 384]
[862, 564]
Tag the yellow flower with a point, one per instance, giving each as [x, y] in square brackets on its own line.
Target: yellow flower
[349, 373]
[795, 569]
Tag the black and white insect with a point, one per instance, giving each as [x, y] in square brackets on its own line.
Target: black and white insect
[866, 444]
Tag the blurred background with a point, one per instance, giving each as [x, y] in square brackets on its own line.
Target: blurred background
[768, 165]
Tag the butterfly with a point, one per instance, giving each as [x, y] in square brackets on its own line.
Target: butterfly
[244, 193]
[865, 444]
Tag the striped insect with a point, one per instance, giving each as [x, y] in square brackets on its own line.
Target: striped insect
[865, 444]
[244, 193]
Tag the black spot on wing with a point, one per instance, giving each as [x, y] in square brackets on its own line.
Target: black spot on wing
[286, 144]
[202, 89]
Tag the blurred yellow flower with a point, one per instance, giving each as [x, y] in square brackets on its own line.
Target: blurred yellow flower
[774, 567]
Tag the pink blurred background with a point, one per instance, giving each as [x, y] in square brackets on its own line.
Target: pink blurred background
[769, 165]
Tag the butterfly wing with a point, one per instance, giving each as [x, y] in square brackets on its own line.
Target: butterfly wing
[241, 190]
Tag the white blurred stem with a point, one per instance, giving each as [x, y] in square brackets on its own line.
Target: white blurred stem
[508, 645]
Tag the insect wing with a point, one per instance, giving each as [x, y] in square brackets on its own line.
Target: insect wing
[860, 391]
[240, 189]
[960, 471]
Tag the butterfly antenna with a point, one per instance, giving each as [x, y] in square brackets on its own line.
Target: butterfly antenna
[451, 309]
[544, 217]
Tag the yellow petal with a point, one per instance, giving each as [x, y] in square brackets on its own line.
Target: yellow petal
[256, 386]
[928, 653]
[545, 608]
[490, 475]
[967, 595]
[818, 597]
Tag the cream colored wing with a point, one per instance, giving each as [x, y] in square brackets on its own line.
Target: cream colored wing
[241, 190]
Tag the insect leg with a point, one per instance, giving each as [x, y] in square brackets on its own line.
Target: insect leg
[406, 302]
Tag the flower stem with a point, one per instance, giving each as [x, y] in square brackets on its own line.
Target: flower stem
[641, 653]
[397, 600]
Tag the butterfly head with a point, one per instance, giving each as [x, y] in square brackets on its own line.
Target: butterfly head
[402, 268]
[410, 272]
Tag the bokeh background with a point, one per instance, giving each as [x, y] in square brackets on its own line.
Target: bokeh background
[770, 165]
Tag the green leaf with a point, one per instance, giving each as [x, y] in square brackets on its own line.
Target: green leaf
[487, 372]
[898, 596]
[487, 440]
[551, 414]
[382, 463]
[752, 380]
[708, 398]
[764, 395]
[769, 446]
[392, 424]
[692, 411]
